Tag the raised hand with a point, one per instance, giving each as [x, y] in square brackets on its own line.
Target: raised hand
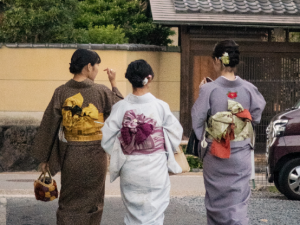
[111, 77]
[202, 82]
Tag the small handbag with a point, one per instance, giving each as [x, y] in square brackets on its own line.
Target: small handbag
[181, 160]
[193, 144]
[45, 188]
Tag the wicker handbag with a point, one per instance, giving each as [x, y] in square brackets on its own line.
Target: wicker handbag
[181, 160]
[45, 188]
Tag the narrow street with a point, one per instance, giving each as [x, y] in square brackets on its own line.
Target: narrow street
[19, 207]
[181, 211]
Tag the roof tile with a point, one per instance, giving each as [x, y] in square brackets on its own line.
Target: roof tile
[238, 6]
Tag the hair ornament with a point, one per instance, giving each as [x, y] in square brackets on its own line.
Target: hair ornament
[145, 81]
[225, 58]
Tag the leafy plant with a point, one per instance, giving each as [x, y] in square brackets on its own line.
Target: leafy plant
[36, 21]
[133, 16]
[294, 36]
[74, 21]
[194, 162]
[108, 35]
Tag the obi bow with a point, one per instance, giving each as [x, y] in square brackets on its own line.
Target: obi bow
[135, 130]
[226, 126]
[74, 116]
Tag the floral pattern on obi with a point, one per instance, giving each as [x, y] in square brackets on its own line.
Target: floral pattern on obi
[140, 135]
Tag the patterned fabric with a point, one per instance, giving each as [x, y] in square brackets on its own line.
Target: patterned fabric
[82, 164]
[81, 124]
[224, 127]
[144, 178]
[139, 135]
[213, 99]
[81, 199]
[219, 123]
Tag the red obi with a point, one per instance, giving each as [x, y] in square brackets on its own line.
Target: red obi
[139, 135]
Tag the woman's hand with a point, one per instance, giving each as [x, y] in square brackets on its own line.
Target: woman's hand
[247, 121]
[111, 77]
[203, 82]
[44, 167]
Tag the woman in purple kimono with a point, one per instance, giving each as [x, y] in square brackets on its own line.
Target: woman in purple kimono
[234, 106]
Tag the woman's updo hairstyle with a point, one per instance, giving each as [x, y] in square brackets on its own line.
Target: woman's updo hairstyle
[81, 58]
[232, 48]
[137, 71]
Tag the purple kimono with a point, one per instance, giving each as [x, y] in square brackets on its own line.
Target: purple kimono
[227, 180]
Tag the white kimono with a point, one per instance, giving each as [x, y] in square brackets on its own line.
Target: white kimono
[144, 179]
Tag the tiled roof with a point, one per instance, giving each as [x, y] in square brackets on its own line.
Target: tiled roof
[127, 47]
[238, 6]
[252, 13]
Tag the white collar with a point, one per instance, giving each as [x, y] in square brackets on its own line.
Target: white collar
[228, 79]
[140, 99]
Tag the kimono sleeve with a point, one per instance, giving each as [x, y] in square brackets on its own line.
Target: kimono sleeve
[48, 130]
[111, 129]
[257, 105]
[110, 97]
[199, 111]
[172, 127]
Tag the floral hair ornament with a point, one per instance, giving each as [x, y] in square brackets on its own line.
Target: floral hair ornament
[225, 58]
[145, 81]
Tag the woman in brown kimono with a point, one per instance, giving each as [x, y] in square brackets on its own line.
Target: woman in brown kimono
[69, 139]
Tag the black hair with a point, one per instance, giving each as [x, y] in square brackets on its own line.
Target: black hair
[232, 48]
[81, 58]
[137, 71]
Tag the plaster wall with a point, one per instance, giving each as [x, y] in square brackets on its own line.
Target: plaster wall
[29, 77]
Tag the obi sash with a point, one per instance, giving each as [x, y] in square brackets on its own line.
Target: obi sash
[81, 124]
[140, 135]
[232, 125]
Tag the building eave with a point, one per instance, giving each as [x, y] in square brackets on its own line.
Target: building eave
[163, 12]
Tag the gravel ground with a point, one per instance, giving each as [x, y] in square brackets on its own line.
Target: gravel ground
[264, 208]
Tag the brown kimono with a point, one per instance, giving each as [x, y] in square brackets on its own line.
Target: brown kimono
[78, 154]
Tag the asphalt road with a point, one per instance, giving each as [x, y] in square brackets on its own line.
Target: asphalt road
[28, 211]
[181, 211]
[19, 207]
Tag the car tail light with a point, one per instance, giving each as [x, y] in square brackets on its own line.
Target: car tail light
[279, 127]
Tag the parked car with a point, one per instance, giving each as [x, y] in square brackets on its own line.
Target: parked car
[283, 152]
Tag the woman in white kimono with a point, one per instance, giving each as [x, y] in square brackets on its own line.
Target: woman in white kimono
[141, 135]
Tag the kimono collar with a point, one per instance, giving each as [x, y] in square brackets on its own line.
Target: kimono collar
[222, 81]
[83, 84]
[140, 99]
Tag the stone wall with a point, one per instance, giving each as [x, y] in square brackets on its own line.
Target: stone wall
[15, 148]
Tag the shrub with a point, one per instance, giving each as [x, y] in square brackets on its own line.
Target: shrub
[194, 162]
[108, 35]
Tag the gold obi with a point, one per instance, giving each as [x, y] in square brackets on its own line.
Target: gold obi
[81, 124]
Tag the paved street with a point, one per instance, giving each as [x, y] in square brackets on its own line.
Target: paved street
[14, 184]
[28, 211]
[182, 211]
[19, 207]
